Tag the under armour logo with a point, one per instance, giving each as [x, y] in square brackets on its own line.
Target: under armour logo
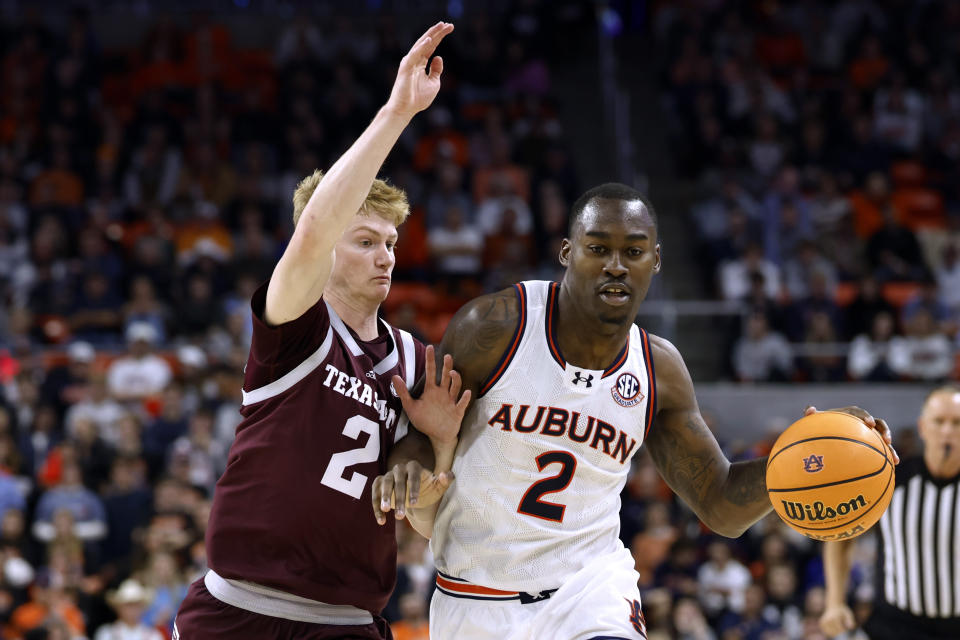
[528, 598]
[371, 374]
[578, 378]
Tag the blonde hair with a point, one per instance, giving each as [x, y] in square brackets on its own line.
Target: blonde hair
[384, 199]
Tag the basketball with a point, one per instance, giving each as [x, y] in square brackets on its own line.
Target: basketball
[830, 476]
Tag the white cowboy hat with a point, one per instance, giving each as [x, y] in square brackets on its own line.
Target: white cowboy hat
[130, 591]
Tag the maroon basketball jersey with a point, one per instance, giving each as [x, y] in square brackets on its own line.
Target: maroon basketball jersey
[292, 510]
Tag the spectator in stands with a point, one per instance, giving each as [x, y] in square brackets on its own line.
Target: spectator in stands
[96, 405]
[762, 355]
[801, 267]
[751, 619]
[456, 248]
[127, 500]
[822, 363]
[168, 587]
[204, 457]
[927, 298]
[49, 604]
[786, 217]
[923, 353]
[85, 506]
[128, 601]
[868, 303]
[735, 275]
[447, 192]
[947, 275]
[893, 251]
[689, 622]
[143, 306]
[869, 358]
[784, 599]
[141, 373]
[69, 384]
[723, 581]
[679, 572]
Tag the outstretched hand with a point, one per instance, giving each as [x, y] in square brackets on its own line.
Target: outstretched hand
[437, 412]
[870, 421]
[416, 86]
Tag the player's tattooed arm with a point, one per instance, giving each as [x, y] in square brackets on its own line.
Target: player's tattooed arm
[478, 335]
[727, 497]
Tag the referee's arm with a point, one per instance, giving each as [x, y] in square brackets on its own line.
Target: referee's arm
[837, 616]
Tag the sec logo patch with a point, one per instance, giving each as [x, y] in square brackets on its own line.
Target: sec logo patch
[626, 390]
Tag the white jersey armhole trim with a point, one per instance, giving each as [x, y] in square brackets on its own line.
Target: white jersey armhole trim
[409, 369]
[292, 377]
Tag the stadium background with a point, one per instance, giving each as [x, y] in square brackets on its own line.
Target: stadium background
[803, 157]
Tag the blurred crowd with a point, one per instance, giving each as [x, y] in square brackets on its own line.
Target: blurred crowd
[825, 139]
[145, 192]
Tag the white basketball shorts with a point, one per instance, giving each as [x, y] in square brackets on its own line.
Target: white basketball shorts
[599, 602]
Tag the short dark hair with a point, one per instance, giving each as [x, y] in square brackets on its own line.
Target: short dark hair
[609, 191]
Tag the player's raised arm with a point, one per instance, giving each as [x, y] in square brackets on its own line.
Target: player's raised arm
[302, 272]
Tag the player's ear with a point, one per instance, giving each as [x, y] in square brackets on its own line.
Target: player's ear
[565, 248]
[656, 264]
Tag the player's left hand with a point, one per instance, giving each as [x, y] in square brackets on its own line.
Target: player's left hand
[407, 487]
[417, 85]
[437, 412]
[870, 421]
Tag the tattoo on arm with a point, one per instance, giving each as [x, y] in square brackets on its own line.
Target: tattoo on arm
[479, 333]
[690, 468]
[747, 483]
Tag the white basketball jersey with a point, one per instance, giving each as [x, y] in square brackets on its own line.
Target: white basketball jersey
[543, 456]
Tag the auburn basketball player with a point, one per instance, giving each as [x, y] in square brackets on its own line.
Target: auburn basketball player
[294, 551]
[567, 388]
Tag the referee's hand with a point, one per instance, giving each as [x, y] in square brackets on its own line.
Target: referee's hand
[837, 619]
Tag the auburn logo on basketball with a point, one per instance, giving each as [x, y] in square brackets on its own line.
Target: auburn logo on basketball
[817, 511]
[813, 463]
[626, 390]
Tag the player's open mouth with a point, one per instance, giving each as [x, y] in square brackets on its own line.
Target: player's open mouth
[615, 294]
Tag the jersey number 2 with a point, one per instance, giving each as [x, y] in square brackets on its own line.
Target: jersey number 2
[531, 504]
[333, 476]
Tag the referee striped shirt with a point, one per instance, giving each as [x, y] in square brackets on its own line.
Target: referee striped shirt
[919, 579]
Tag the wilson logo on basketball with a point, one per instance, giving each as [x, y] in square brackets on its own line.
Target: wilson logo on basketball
[817, 511]
[813, 464]
[626, 391]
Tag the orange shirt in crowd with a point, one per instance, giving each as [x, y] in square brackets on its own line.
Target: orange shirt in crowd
[31, 615]
[404, 630]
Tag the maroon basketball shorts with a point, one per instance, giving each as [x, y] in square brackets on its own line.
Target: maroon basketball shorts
[203, 617]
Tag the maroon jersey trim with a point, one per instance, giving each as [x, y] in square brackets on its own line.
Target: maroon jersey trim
[291, 378]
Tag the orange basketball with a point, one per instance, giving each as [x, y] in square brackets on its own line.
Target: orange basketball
[830, 476]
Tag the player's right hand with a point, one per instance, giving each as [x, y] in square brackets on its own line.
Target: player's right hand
[837, 619]
[416, 86]
[406, 487]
